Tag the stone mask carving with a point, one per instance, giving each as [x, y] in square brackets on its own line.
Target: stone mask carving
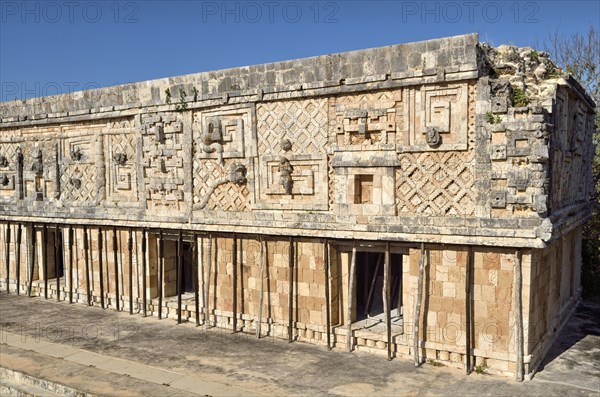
[76, 182]
[286, 145]
[75, 154]
[432, 136]
[237, 173]
[120, 158]
[38, 164]
[285, 175]
[211, 139]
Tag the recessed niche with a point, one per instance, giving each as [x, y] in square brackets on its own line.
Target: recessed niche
[363, 189]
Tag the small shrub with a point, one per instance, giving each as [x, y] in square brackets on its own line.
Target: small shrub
[182, 105]
[168, 96]
[554, 72]
[481, 368]
[493, 118]
[519, 98]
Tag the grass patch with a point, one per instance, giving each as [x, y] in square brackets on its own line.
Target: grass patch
[492, 118]
[435, 363]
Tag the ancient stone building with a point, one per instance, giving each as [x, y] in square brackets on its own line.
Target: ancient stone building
[426, 195]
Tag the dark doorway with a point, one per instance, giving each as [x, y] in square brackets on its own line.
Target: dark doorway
[188, 281]
[369, 283]
[55, 257]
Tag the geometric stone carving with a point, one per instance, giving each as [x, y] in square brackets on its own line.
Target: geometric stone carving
[230, 197]
[434, 117]
[237, 175]
[303, 122]
[122, 178]
[78, 174]
[220, 134]
[365, 118]
[292, 176]
[82, 177]
[219, 196]
[371, 126]
[436, 184]
[120, 144]
[162, 162]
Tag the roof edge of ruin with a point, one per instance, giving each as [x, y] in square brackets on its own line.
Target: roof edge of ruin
[445, 52]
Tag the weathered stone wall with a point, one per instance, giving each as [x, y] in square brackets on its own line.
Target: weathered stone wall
[555, 289]
[443, 322]
[571, 150]
[541, 124]
[392, 155]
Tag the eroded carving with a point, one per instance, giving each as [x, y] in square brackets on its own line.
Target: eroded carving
[120, 158]
[3, 161]
[433, 138]
[38, 163]
[75, 182]
[237, 175]
[286, 145]
[162, 166]
[38, 168]
[20, 183]
[285, 175]
[368, 126]
[220, 136]
[75, 154]
[212, 137]
[366, 118]
[159, 133]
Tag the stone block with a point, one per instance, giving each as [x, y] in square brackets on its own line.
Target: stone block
[498, 198]
[498, 152]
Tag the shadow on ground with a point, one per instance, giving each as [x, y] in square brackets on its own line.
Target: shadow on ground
[267, 366]
[575, 355]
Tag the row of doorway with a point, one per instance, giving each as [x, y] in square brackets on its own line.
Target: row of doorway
[369, 276]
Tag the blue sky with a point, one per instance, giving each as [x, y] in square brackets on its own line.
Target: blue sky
[50, 47]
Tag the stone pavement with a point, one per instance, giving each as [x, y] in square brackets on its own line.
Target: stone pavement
[103, 352]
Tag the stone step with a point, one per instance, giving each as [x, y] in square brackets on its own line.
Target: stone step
[17, 384]
[16, 389]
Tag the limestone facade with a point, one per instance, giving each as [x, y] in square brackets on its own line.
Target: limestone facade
[253, 193]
